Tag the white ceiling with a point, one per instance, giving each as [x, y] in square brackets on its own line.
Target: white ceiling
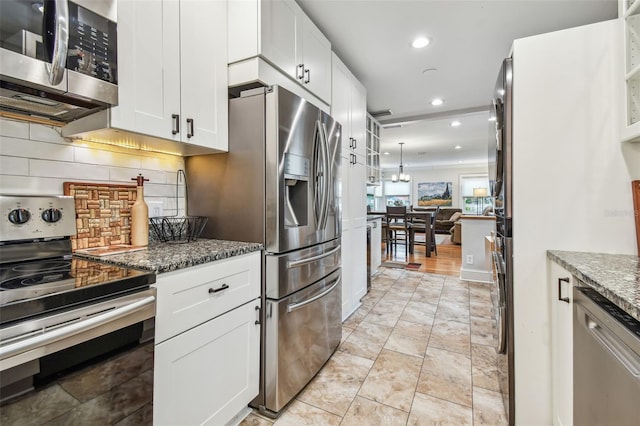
[469, 39]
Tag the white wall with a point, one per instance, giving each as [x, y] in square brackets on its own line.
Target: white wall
[35, 159]
[440, 174]
[572, 187]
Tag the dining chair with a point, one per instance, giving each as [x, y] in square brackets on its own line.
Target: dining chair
[424, 225]
[432, 234]
[398, 228]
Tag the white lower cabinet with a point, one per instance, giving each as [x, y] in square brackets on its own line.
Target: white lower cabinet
[376, 243]
[561, 286]
[210, 373]
[206, 368]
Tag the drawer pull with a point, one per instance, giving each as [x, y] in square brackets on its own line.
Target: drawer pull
[560, 298]
[215, 290]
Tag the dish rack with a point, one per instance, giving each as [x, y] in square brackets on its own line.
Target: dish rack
[178, 229]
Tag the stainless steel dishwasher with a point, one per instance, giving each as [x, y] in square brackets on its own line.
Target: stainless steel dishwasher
[606, 362]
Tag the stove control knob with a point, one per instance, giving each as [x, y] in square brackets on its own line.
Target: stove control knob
[51, 215]
[19, 216]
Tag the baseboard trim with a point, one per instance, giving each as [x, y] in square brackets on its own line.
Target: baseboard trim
[476, 275]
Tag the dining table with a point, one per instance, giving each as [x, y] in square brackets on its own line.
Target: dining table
[416, 217]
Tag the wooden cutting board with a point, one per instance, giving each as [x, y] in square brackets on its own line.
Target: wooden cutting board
[103, 214]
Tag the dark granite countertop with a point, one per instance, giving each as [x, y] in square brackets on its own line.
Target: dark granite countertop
[166, 257]
[615, 276]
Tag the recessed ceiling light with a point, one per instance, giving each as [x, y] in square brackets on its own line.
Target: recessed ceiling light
[386, 153]
[420, 42]
[457, 147]
[437, 102]
[455, 123]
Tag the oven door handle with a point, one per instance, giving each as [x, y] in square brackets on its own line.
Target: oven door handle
[296, 263]
[73, 329]
[292, 307]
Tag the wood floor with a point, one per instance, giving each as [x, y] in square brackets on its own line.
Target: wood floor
[447, 262]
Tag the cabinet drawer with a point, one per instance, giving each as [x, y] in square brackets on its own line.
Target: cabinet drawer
[194, 295]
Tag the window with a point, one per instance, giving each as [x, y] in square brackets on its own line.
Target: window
[397, 193]
[475, 194]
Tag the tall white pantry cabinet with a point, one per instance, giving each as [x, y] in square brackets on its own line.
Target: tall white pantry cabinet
[349, 108]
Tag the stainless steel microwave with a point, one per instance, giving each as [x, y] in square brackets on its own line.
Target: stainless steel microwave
[58, 58]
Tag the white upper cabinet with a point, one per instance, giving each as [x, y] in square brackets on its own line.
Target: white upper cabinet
[281, 33]
[349, 108]
[630, 12]
[170, 86]
[315, 58]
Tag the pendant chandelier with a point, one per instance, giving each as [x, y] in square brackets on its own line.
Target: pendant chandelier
[400, 176]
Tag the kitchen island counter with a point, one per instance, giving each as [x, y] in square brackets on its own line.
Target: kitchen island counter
[166, 257]
[615, 276]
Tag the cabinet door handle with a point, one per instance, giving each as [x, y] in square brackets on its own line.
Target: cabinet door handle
[190, 132]
[176, 124]
[300, 71]
[258, 310]
[308, 74]
[355, 143]
[215, 290]
[560, 298]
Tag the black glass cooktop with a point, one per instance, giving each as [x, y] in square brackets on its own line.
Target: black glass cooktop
[36, 287]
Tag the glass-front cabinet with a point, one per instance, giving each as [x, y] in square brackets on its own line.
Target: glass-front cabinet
[373, 151]
[630, 12]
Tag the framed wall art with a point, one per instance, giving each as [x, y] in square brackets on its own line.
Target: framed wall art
[431, 194]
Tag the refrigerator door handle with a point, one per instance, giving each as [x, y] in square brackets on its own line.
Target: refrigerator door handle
[319, 175]
[296, 263]
[328, 177]
[293, 306]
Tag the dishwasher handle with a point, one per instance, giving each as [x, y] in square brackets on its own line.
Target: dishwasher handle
[619, 350]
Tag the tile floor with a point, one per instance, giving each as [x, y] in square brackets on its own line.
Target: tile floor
[419, 351]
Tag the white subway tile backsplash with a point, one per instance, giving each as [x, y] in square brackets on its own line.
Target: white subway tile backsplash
[161, 162]
[105, 158]
[42, 133]
[74, 171]
[35, 159]
[124, 175]
[14, 166]
[31, 149]
[27, 185]
[159, 190]
[14, 129]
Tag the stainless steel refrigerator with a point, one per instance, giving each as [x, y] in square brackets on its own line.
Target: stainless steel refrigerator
[501, 182]
[278, 185]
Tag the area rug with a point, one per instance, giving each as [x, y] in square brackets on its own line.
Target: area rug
[392, 264]
[412, 265]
